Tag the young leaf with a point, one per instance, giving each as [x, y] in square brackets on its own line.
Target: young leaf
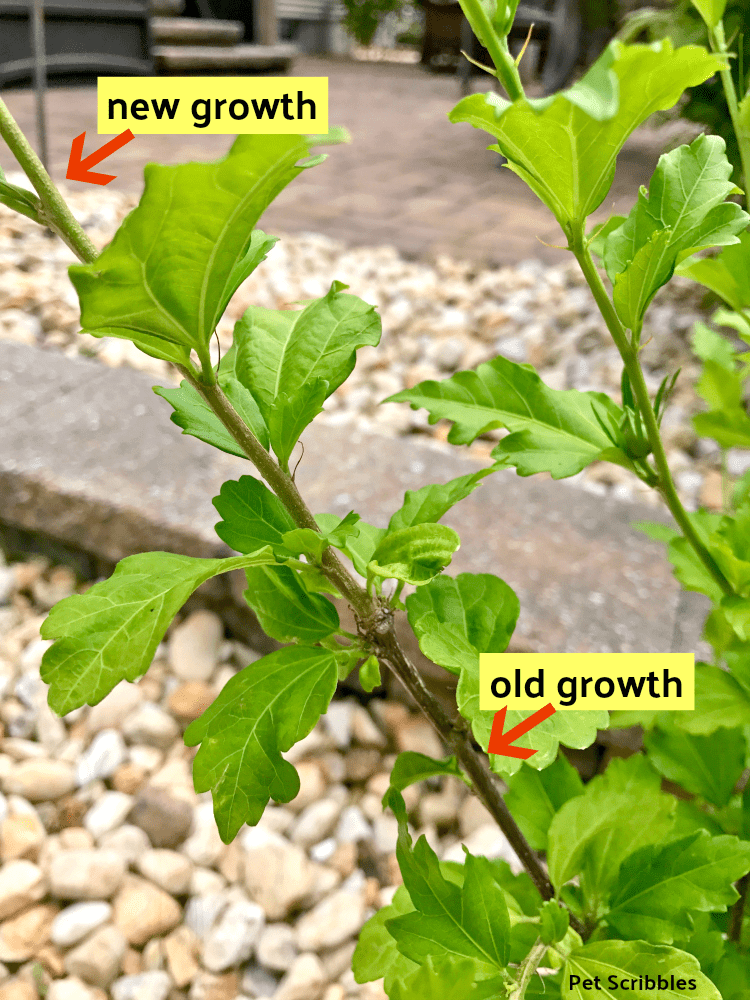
[559, 431]
[313, 543]
[111, 632]
[593, 833]
[711, 11]
[202, 215]
[470, 921]
[431, 503]
[720, 701]
[291, 414]
[285, 609]
[709, 766]
[688, 568]
[376, 955]
[252, 515]
[564, 147]
[632, 961]
[727, 275]
[684, 210]
[455, 619]
[20, 200]
[711, 346]
[650, 268]
[369, 675]
[411, 767]
[195, 417]
[260, 713]
[659, 886]
[535, 796]
[291, 360]
[414, 555]
[554, 922]
[428, 982]
[359, 545]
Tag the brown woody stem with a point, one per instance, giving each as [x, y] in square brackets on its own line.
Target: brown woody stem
[453, 731]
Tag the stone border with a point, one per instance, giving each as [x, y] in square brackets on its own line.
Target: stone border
[89, 458]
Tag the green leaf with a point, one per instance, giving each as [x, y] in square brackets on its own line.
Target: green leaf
[535, 796]
[683, 210]
[252, 515]
[292, 360]
[593, 833]
[429, 981]
[369, 674]
[285, 609]
[727, 275]
[20, 200]
[631, 960]
[559, 431]
[416, 554]
[314, 543]
[470, 921]
[359, 545]
[554, 922]
[411, 767]
[645, 274]
[259, 714]
[455, 619]
[202, 215]
[430, 503]
[376, 955]
[193, 414]
[709, 766]
[111, 632]
[688, 568]
[291, 414]
[659, 886]
[565, 147]
[712, 11]
[712, 346]
[720, 701]
[721, 385]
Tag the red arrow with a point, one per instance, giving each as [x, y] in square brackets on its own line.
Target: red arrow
[80, 170]
[500, 742]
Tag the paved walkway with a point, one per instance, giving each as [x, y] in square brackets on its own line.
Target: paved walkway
[409, 177]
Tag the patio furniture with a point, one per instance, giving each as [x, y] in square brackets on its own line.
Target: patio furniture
[84, 39]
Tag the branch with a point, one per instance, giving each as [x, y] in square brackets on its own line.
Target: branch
[665, 485]
[737, 913]
[379, 629]
[57, 215]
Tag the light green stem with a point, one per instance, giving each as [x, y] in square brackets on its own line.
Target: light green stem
[507, 71]
[529, 966]
[57, 215]
[719, 46]
[629, 355]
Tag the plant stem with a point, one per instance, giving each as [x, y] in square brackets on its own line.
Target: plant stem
[528, 967]
[507, 71]
[629, 355]
[57, 215]
[376, 625]
[719, 46]
[737, 912]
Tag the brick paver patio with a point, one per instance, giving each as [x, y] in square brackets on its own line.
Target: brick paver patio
[409, 177]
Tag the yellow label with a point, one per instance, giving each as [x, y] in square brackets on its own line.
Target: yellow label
[220, 105]
[581, 681]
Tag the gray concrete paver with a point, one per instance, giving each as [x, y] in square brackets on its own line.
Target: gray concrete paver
[98, 465]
